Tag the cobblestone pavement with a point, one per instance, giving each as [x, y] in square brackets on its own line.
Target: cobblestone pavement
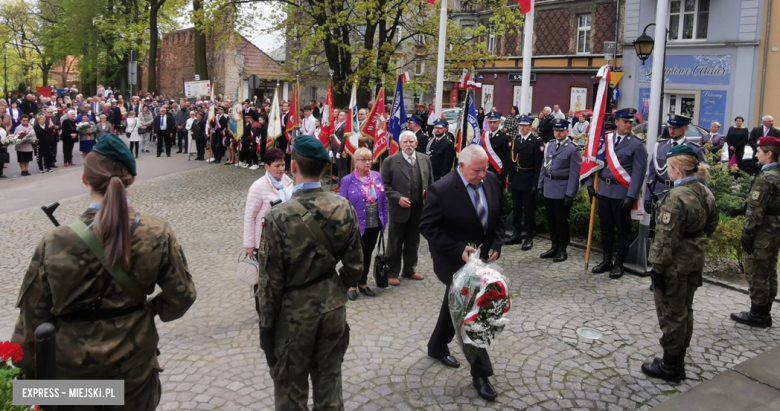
[212, 361]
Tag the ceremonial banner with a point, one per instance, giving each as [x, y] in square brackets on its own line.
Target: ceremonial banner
[236, 120]
[292, 116]
[351, 132]
[327, 122]
[594, 157]
[374, 126]
[397, 122]
[469, 127]
[274, 121]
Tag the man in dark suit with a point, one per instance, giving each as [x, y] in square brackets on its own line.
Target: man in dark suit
[162, 126]
[29, 107]
[765, 129]
[463, 208]
[338, 148]
[220, 126]
[134, 105]
[498, 146]
[282, 141]
[407, 175]
[524, 168]
[545, 127]
[441, 150]
[418, 127]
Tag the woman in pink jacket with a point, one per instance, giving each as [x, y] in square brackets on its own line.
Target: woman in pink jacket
[273, 186]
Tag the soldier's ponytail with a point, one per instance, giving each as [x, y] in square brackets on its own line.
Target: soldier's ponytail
[112, 222]
[690, 166]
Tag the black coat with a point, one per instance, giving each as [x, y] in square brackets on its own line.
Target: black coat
[546, 128]
[422, 140]
[449, 222]
[29, 107]
[442, 155]
[758, 132]
[502, 145]
[170, 124]
[524, 173]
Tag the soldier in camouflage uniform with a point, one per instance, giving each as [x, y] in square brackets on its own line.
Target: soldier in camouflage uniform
[685, 217]
[103, 331]
[759, 236]
[303, 320]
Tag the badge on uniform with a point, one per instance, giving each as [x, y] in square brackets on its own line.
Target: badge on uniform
[666, 217]
[756, 194]
[541, 148]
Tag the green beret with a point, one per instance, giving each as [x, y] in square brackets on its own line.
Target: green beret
[310, 147]
[112, 147]
[682, 150]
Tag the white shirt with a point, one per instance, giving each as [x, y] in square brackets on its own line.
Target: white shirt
[408, 158]
[559, 115]
[766, 131]
[308, 125]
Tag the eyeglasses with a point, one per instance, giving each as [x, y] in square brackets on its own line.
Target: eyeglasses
[368, 160]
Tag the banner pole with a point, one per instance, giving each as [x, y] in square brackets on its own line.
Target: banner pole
[592, 220]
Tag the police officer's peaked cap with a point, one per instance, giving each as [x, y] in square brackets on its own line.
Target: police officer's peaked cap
[310, 147]
[440, 123]
[525, 120]
[561, 124]
[676, 120]
[626, 114]
[112, 147]
[682, 150]
[415, 119]
[220, 108]
[769, 141]
[494, 117]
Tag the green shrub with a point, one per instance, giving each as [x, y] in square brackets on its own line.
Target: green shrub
[580, 215]
[727, 241]
[730, 188]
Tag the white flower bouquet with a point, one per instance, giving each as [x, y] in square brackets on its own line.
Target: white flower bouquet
[84, 126]
[9, 141]
[479, 300]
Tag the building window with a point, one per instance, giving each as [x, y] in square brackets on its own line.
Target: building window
[419, 68]
[583, 33]
[491, 46]
[689, 19]
[313, 93]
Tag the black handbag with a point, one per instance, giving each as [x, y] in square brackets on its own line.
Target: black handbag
[5, 158]
[380, 264]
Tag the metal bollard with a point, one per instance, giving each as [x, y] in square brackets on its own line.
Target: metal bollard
[45, 352]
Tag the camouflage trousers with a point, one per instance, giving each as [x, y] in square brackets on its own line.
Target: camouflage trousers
[310, 346]
[675, 311]
[142, 392]
[761, 274]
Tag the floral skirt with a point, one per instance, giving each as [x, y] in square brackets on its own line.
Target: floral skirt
[86, 146]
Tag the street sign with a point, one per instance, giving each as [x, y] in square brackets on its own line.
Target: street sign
[197, 77]
[519, 77]
[132, 72]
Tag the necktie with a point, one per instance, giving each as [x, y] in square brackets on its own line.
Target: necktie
[674, 144]
[411, 160]
[617, 140]
[481, 210]
[557, 145]
[162, 121]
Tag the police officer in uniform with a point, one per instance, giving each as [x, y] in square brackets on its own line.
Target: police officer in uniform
[685, 217]
[527, 158]
[621, 179]
[759, 236]
[303, 320]
[106, 330]
[559, 181]
[418, 125]
[658, 180]
[500, 148]
[441, 150]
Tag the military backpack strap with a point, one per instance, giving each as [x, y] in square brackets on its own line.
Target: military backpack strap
[314, 227]
[127, 283]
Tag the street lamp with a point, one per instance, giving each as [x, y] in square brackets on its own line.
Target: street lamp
[644, 45]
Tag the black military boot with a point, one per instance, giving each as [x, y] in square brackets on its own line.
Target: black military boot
[617, 269]
[768, 312]
[756, 317]
[528, 243]
[552, 252]
[605, 265]
[667, 369]
[680, 364]
[561, 256]
[516, 238]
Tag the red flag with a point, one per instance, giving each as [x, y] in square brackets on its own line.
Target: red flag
[374, 126]
[327, 122]
[292, 115]
[594, 157]
[525, 5]
[431, 1]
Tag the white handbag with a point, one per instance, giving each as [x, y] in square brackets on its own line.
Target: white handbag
[248, 269]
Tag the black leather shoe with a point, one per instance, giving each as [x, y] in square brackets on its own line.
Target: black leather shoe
[617, 269]
[352, 295]
[528, 243]
[514, 239]
[605, 265]
[754, 318]
[667, 369]
[550, 253]
[484, 388]
[367, 291]
[448, 360]
[561, 256]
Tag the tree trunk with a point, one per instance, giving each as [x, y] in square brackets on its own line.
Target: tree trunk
[201, 66]
[151, 85]
[45, 73]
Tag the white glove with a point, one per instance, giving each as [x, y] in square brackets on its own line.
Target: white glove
[338, 155]
[330, 153]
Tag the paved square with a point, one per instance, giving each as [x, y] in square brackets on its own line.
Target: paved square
[212, 359]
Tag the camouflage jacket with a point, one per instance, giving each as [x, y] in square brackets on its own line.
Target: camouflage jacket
[290, 256]
[684, 219]
[64, 277]
[762, 217]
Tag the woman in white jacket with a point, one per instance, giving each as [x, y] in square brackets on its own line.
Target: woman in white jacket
[273, 186]
[132, 132]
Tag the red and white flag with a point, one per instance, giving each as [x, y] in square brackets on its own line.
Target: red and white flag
[327, 122]
[526, 5]
[374, 126]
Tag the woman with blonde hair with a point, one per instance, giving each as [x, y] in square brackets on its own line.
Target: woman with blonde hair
[685, 218]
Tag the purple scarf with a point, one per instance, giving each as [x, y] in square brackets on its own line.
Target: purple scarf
[368, 185]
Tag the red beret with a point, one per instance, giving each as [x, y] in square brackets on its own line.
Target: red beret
[769, 141]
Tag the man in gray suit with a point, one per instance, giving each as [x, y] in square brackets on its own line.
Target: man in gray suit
[338, 148]
[407, 175]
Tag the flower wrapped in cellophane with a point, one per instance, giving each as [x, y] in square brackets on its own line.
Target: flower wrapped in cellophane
[479, 300]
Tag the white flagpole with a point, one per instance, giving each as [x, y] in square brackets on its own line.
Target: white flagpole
[440, 60]
[528, 45]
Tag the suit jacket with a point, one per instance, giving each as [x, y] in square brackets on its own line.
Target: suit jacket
[422, 140]
[170, 124]
[561, 162]
[397, 182]
[758, 132]
[449, 222]
[502, 146]
[546, 128]
[29, 107]
[339, 133]
[632, 156]
[524, 173]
